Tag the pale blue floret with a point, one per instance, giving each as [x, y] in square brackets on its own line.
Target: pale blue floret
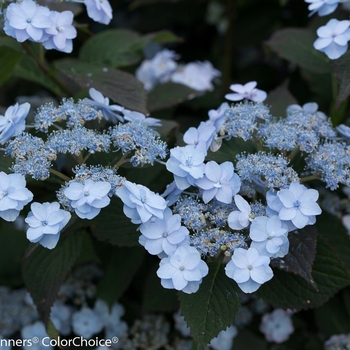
[111, 113]
[322, 7]
[99, 173]
[45, 223]
[171, 193]
[277, 326]
[13, 122]
[247, 91]
[224, 339]
[200, 137]
[241, 218]
[299, 205]
[249, 269]
[217, 117]
[26, 20]
[186, 163]
[269, 236]
[344, 130]
[140, 203]
[219, 182]
[13, 195]
[184, 267]
[140, 139]
[100, 11]
[111, 319]
[59, 36]
[86, 323]
[333, 38]
[60, 316]
[87, 198]
[163, 235]
[36, 329]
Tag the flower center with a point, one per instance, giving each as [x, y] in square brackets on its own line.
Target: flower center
[165, 234]
[218, 184]
[189, 161]
[296, 205]
[182, 268]
[44, 223]
[86, 192]
[250, 267]
[3, 194]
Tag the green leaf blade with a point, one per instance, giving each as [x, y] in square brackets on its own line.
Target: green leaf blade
[287, 290]
[296, 45]
[113, 227]
[213, 307]
[45, 270]
[122, 87]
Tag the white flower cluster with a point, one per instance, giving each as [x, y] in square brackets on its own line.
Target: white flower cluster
[163, 68]
[334, 36]
[26, 20]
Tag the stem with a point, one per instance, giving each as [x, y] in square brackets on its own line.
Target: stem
[60, 175]
[310, 178]
[42, 65]
[293, 153]
[229, 40]
[122, 160]
[86, 158]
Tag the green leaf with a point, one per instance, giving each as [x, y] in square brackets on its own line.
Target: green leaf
[9, 59]
[163, 37]
[123, 265]
[213, 307]
[115, 48]
[332, 229]
[10, 42]
[122, 87]
[87, 253]
[14, 244]
[279, 99]
[45, 270]
[52, 331]
[296, 46]
[341, 68]
[289, 291]
[301, 255]
[229, 150]
[113, 227]
[121, 47]
[332, 317]
[27, 69]
[168, 95]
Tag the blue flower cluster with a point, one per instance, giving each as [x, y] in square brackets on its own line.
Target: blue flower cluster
[65, 132]
[241, 209]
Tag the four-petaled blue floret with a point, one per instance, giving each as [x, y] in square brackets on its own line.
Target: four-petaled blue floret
[46, 222]
[183, 270]
[87, 198]
[13, 195]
